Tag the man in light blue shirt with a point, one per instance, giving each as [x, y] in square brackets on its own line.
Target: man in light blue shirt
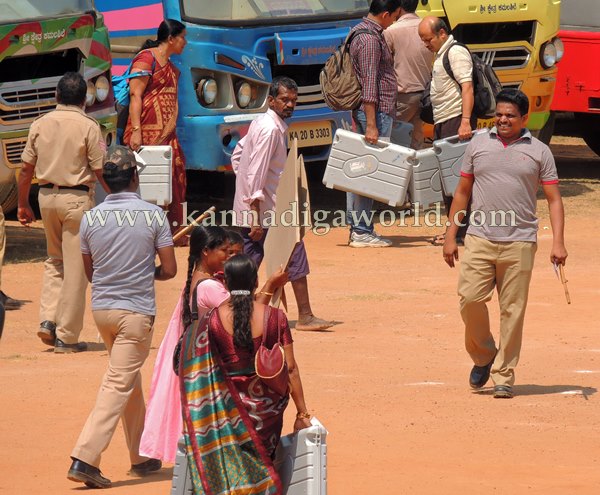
[120, 239]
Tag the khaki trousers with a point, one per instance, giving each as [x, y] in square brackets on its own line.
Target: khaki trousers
[2, 242]
[408, 109]
[64, 283]
[508, 266]
[127, 336]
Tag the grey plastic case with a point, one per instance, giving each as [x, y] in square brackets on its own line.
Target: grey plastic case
[425, 183]
[155, 172]
[450, 155]
[300, 460]
[380, 171]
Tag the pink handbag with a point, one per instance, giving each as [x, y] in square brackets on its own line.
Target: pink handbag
[270, 364]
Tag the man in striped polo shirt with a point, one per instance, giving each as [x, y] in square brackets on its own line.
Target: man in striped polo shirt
[501, 173]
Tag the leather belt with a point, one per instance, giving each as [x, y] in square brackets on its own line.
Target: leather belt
[80, 187]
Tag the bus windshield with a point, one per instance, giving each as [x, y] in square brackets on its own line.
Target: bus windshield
[271, 11]
[18, 10]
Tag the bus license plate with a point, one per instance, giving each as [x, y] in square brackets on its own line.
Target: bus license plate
[483, 123]
[311, 133]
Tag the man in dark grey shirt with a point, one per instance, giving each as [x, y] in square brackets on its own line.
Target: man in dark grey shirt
[120, 239]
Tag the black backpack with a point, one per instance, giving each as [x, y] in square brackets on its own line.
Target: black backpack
[486, 86]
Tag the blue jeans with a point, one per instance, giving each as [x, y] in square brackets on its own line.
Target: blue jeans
[361, 206]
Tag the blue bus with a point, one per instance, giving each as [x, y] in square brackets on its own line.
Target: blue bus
[235, 48]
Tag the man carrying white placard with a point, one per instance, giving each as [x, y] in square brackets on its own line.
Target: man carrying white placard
[258, 161]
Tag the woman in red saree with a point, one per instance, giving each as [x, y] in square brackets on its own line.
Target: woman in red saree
[232, 420]
[153, 105]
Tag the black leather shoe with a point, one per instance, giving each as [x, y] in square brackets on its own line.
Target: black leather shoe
[82, 472]
[9, 302]
[61, 348]
[47, 332]
[480, 375]
[144, 468]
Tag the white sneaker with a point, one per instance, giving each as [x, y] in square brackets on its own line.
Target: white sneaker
[368, 240]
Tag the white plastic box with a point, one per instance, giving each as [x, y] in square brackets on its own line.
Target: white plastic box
[425, 184]
[380, 171]
[155, 174]
[300, 460]
[450, 153]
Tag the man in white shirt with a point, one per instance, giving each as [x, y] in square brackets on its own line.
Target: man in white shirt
[452, 99]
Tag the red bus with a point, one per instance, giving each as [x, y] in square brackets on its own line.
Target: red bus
[578, 85]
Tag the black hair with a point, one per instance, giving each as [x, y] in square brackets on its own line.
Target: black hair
[117, 179]
[515, 96]
[71, 89]
[438, 25]
[201, 238]
[168, 27]
[380, 6]
[234, 237]
[284, 81]
[409, 5]
[241, 274]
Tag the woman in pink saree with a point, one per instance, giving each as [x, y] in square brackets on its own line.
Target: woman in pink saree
[153, 105]
[232, 419]
[209, 249]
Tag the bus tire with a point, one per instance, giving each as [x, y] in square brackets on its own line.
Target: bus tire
[588, 127]
[8, 197]
[546, 132]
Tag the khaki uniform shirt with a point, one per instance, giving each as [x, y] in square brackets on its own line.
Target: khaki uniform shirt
[446, 94]
[65, 146]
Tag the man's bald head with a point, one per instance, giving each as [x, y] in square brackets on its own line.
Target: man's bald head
[434, 32]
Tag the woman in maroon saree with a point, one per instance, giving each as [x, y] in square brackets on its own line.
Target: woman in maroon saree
[153, 105]
[232, 420]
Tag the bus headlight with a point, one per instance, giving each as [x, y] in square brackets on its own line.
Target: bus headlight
[560, 48]
[102, 88]
[548, 55]
[206, 90]
[90, 95]
[244, 94]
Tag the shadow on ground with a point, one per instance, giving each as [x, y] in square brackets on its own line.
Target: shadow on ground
[24, 244]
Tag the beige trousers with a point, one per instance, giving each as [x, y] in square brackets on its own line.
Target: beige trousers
[127, 336]
[408, 109]
[506, 266]
[64, 283]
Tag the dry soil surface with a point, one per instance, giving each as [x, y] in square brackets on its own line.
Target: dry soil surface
[389, 381]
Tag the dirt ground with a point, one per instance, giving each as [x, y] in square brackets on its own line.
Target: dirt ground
[390, 381]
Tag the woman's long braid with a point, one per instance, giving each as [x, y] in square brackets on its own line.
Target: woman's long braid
[242, 315]
[186, 316]
[241, 275]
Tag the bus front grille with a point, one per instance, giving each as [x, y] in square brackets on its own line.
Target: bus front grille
[12, 150]
[515, 57]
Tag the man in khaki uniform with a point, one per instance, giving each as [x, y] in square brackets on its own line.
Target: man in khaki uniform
[66, 151]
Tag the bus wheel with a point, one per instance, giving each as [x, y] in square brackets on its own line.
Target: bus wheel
[546, 132]
[588, 126]
[8, 197]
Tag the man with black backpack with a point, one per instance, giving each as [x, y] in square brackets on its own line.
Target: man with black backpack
[452, 98]
[373, 64]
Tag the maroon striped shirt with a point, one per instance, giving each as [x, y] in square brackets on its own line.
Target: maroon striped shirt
[374, 66]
